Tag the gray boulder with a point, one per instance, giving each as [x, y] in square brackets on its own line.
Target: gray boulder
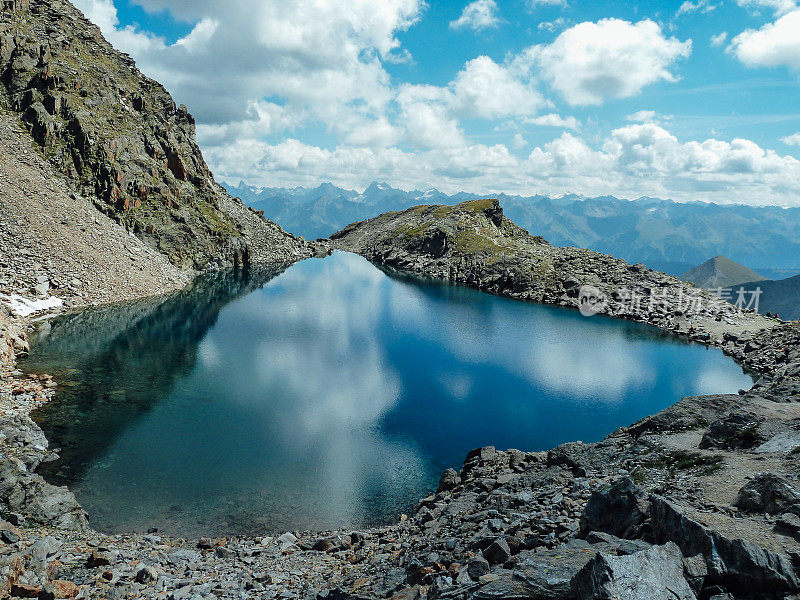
[477, 567]
[497, 552]
[146, 574]
[767, 493]
[653, 574]
[785, 441]
[544, 574]
[28, 494]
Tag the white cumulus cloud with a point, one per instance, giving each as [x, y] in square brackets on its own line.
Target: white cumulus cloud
[611, 58]
[324, 59]
[485, 89]
[792, 140]
[774, 45]
[478, 15]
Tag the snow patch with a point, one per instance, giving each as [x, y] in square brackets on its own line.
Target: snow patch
[24, 306]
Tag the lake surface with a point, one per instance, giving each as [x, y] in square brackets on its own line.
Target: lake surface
[330, 394]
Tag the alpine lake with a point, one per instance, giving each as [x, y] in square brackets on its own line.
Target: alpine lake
[331, 394]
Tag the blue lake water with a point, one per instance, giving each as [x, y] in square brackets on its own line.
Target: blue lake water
[331, 394]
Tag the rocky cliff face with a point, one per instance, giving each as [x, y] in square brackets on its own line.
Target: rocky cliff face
[121, 140]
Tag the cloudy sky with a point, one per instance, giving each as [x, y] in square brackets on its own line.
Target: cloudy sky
[685, 100]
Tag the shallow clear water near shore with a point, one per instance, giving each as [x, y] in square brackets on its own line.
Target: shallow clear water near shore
[331, 394]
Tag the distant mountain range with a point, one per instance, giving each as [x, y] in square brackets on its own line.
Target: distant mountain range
[665, 235]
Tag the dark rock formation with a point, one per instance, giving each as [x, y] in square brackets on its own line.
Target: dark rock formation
[736, 430]
[620, 509]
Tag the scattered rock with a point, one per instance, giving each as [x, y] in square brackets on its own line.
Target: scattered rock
[497, 552]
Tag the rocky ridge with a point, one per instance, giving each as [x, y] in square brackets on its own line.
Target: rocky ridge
[475, 244]
[698, 501]
[122, 144]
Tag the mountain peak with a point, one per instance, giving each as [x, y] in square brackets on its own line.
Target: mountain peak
[720, 272]
[378, 186]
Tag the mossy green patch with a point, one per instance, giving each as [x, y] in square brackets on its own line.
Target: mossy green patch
[683, 460]
[410, 230]
[470, 241]
[477, 206]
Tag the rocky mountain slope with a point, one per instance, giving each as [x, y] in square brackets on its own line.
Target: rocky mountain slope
[665, 235]
[53, 241]
[780, 297]
[120, 142]
[720, 272]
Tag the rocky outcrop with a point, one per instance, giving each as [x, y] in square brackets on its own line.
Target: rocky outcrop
[474, 244]
[27, 494]
[121, 141]
[735, 563]
[653, 574]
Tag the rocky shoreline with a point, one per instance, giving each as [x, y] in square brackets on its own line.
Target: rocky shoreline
[698, 501]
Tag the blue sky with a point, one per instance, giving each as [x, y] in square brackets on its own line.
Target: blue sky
[692, 100]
